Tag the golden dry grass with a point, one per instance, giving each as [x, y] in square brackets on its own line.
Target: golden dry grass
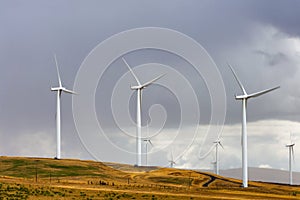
[41, 178]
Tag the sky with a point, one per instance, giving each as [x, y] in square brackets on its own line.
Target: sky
[259, 38]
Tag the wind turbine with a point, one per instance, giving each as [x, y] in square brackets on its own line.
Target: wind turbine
[217, 144]
[139, 89]
[59, 90]
[244, 97]
[172, 162]
[147, 141]
[291, 154]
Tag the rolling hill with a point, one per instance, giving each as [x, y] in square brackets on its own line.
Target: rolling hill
[264, 175]
[42, 178]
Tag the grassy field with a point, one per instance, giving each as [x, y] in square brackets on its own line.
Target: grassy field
[41, 178]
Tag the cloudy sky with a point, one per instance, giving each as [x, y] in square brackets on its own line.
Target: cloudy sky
[261, 39]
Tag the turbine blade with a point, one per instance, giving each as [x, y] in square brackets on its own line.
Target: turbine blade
[69, 91]
[152, 81]
[237, 79]
[221, 132]
[131, 71]
[262, 92]
[58, 75]
[150, 143]
[221, 145]
[293, 155]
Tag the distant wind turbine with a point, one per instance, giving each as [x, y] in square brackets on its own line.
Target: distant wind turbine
[59, 90]
[139, 89]
[147, 140]
[217, 144]
[244, 97]
[172, 162]
[291, 154]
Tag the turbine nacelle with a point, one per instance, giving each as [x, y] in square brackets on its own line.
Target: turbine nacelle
[241, 97]
[290, 145]
[218, 142]
[56, 88]
[148, 140]
[137, 87]
[63, 89]
[140, 87]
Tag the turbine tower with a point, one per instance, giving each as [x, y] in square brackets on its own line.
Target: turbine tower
[291, 156]
[59, 90]
[244, 97]
[216, 163]
[139, 89]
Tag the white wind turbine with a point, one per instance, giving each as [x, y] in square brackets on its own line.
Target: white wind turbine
[216, 163]
[59, 90]
[139, 89]
[147, 141]
[244, 97]
[172, 162]
[291, 154]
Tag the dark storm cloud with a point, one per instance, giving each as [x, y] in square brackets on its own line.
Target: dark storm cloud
[282, 14]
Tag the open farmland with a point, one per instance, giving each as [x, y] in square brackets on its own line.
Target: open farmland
[41, 178]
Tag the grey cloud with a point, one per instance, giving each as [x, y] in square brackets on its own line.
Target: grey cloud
[230, 30]
[273, 59]
[281, 14]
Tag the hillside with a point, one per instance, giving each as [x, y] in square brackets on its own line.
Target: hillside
[263, 174]
[41, 178]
